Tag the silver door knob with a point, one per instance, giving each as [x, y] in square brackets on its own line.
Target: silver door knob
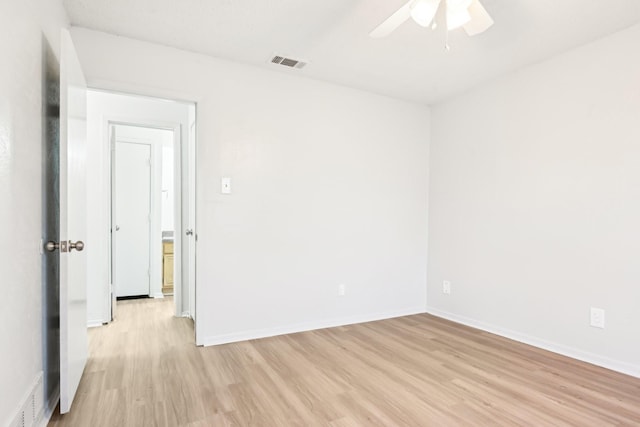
[51, 246]
[78, 246]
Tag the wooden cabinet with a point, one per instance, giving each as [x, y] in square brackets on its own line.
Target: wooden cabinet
[167, 268]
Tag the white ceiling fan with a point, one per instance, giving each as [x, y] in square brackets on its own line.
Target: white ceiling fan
[469, 14]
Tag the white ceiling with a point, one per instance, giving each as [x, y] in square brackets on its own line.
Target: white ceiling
[410, 64]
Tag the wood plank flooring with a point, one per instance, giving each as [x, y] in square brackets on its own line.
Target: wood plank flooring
[144, 370]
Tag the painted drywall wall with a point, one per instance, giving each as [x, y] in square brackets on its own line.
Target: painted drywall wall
[535, 201]
[30, 43]
[329, 187]
[101, 108]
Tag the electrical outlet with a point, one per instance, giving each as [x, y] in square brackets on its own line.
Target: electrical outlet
[341, 290]
[597, 317]
[446, 287]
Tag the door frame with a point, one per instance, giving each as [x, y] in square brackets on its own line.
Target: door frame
[176, 128]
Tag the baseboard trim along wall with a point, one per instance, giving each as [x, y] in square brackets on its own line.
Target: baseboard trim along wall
[594, 359]
[94, 323]
[307, 326]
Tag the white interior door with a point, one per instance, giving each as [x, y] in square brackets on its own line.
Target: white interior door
[191, 218]
[133, 218]
[73, 202]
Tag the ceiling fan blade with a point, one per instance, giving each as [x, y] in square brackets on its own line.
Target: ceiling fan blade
[480, 19]
[393, 22]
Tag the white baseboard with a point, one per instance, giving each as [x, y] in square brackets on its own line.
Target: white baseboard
[306, 326]
[574, 353]
[94, 323]
[158, 295]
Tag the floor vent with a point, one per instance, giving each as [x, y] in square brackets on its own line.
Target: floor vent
[32, 406]
[288, 62]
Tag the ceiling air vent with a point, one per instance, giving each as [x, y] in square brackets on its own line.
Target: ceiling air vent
[288, 62]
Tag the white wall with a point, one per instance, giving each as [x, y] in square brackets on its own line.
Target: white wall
[535, 203]
[29, 28]
[102, 107]
[329, 187]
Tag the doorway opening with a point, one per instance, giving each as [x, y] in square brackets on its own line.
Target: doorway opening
[145, 217]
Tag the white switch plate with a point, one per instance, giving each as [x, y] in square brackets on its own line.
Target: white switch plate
[225, 185]
[446, 287]
[597, 317]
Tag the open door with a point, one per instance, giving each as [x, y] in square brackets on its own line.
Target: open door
[73, 230]
[191, 218]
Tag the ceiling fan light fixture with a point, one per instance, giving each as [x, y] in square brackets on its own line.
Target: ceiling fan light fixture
[458, 18]
[457, 5]
[423, 11]
[469, 14]
[480, 22]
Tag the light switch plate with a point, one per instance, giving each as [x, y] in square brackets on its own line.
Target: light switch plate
[225, 185]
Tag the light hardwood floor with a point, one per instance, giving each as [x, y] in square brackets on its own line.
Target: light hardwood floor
[413, 371]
